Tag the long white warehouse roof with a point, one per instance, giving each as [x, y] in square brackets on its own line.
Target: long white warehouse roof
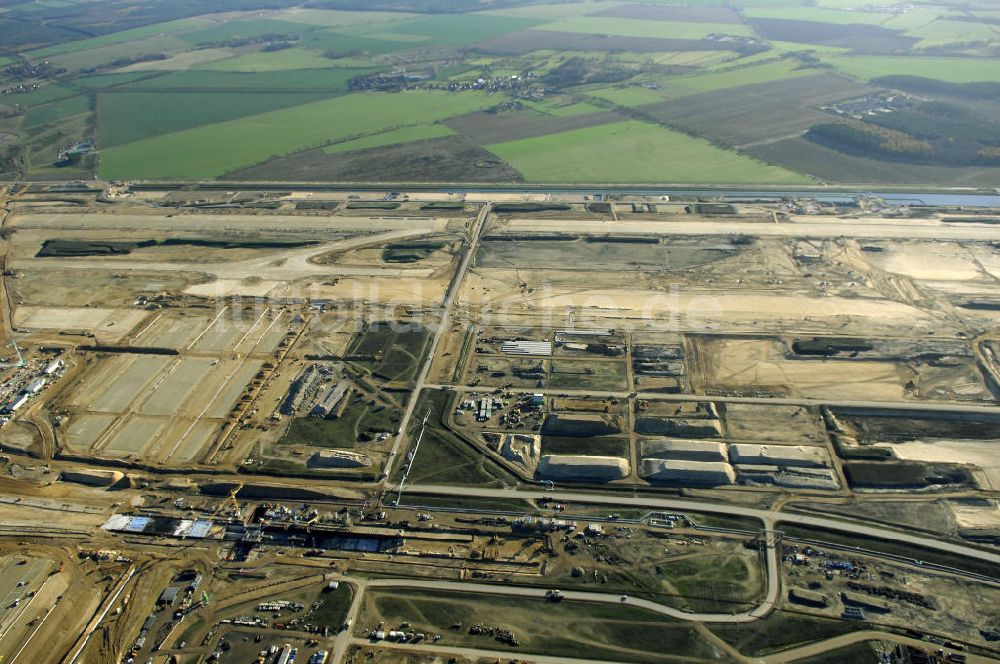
[527, 347]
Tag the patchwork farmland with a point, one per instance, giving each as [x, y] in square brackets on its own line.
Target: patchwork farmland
[479, 92]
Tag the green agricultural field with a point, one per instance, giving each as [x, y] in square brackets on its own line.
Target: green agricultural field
[56, 111]
[214, 150]
[46, 141]
[105, 56]
[330, 18]
[913, 20]
[461, 29]
[327, 80]
[634, 152]
[22, 34]
[563, 109]
[628, 27]
[954, 70]
[721, 77]
[168, 28]
[220, 101]
[195, 59]
[244, 29]
[261, 61]
[105, 81]
[733, 76]
[42, 95]
[627, 95]
[704, 60]
[818, 14]
[393, 137]
[343, 43]
[949, 32]
[551, 12]
[124, 117]
[791, 5]
[783, 47]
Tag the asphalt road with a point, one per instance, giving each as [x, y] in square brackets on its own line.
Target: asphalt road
[425, 368]
[343, 640]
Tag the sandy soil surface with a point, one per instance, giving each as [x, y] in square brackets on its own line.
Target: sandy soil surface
[742, 364]
[220, 288]
[175, 223]
[980, 453]
[410, 289]
[800, 227]
[182, 60]
[330, 333]
[106, 324]
[101, 288]
[939, 261]
[697, 307]
[975, 515]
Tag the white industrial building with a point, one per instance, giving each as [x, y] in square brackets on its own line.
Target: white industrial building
[711, 473]
[54, 366]
[777, 455]
[328, 404]
[582, 468]
[35, 386]
[485, 411]
[526, 347]
[684, 449]
[17, 403]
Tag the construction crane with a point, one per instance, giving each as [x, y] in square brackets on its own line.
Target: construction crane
[231, 500]
[312, 520]
[20, 363]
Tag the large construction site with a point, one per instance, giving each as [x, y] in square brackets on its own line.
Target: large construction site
[318, 425]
